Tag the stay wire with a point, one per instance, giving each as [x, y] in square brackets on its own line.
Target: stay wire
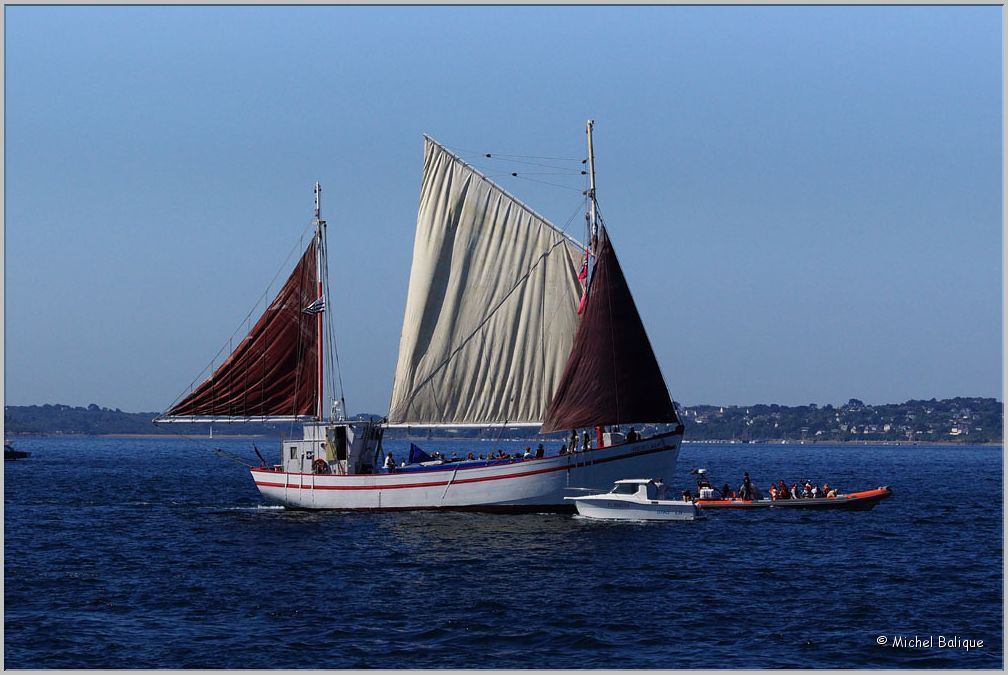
[331, 333]
[244, 322]
[484, 153]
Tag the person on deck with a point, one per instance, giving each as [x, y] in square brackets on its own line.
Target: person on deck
[573, 440]
[773, 492]
[586, 441]
[726, 492]
[528, 453]
[631, 435]
[747, 489]
[540, 451]
[794, 491]
[390, 463]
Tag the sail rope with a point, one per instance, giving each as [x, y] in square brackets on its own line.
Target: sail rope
[545, 182]
[455, 352]
[487, 172]
[299, 351]
[486, 318]
[332, 349]
[511, 156]
[543, 221]
[601, 220]
[230, 456]
[244, 322]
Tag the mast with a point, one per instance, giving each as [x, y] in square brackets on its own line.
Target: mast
[319, 262]
[592, 225]
[593, 216]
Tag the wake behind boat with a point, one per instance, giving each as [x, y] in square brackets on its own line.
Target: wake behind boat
[509, 321]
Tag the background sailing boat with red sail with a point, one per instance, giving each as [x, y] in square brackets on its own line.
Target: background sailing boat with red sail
[492, 336]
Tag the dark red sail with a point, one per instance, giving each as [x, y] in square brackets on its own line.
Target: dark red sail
[272, 372]
[612, 376]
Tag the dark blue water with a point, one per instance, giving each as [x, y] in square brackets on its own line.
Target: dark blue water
[153, 553]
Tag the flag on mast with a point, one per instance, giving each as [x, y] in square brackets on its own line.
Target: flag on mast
[316, 307]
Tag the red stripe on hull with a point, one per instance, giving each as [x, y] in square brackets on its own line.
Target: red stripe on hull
[457, 481]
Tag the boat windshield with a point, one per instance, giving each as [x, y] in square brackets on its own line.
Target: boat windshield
[624, 489]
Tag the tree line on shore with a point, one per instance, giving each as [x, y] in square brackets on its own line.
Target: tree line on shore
[962, 419]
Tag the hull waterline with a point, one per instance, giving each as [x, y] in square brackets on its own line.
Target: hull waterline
[538, 484]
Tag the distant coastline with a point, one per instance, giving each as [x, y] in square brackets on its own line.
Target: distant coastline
[961, 420]
[516, 439]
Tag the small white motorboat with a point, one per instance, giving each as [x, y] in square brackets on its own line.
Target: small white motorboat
[635, 499]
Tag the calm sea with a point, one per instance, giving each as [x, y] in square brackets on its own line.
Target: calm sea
[154, 553]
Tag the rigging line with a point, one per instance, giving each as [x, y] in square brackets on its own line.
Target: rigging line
[521, 280]
[298, 358]
[221, 452]
[545, 173]
[545, 166]
[495, 172]
[332, 335]
[500, 154]
[500, 188]
[577, 210]
[248, 316]
[545, 182]
[650, 344]
[612, 331]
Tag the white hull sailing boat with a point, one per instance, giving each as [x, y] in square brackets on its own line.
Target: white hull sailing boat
[509, 322]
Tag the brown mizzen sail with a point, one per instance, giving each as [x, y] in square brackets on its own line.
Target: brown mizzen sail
[612, 376]
[272, 372]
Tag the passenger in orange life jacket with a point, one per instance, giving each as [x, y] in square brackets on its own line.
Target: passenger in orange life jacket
[773, 492]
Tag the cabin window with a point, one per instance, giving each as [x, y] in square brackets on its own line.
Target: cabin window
[293, 451]
[625, 489]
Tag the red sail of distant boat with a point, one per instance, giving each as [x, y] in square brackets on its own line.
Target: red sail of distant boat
[272, 372]
[612, 375]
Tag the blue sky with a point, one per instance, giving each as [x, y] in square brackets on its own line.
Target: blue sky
[806, 200]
